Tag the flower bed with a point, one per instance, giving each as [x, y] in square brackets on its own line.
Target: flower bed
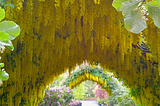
[58, 96]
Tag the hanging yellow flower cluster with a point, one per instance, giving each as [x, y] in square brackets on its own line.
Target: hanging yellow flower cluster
[57, 34]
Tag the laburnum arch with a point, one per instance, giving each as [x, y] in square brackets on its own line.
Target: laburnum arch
[57, 34]
[95, 74]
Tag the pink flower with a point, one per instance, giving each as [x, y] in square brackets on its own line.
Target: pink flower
[59, 104]
[72, 90]
[60, 90]
[49, 102]
[67, 90]
[100, 93]
[74, 103]
[73, 94]
[58, 96]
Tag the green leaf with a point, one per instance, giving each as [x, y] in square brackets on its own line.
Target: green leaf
[154, 12]
[146, 6]
[1, 65]
[5, 43]
[134, 23]
[155, 3]
[8, 44]
[2, 14]
[2, 3]
[11, 28]
[4, 76]
[11, 4]
[1, 82]
[4, 36]
[129, 6]
[11, 47]
[117, 4]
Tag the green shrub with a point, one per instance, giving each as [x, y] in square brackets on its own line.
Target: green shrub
[79, 92]
[121, 97]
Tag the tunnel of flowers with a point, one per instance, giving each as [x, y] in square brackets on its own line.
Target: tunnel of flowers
[58, 34]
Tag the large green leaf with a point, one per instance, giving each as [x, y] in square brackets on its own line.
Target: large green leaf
[154, 12]
[11, 28]
[129, 6]
[4, 36]
[4, 76]
[117, 4]
[134, 23]
[2, 14]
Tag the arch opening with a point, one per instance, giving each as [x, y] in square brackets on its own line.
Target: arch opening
[96, 74]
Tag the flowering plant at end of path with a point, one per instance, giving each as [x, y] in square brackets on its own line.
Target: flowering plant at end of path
[58, 96]
[101, 95]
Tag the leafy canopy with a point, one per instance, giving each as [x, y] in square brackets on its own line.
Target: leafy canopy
[135, 13]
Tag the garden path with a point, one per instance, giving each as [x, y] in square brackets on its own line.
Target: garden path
[89, 103]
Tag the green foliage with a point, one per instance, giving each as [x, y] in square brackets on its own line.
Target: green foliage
[155, 14]
[9, 30]
[155, 3]
[4, 76]
[121, 97]
[89, 87]
[134, 23]
[135, 13]
[2, 15]
[4, 3]
[128, 6]
[79, 92]
[100, 101]
[117, 4]
[60, 80]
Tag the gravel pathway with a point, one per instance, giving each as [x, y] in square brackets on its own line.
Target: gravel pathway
[89, 103]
